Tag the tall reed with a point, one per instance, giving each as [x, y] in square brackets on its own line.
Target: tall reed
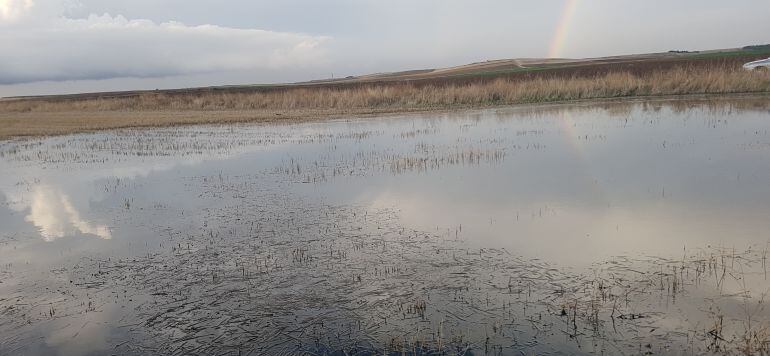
[395, 96]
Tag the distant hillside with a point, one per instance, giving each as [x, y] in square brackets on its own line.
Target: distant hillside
[765, 47]
[479, 72]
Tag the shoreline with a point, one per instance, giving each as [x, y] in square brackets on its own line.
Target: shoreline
[15, 125]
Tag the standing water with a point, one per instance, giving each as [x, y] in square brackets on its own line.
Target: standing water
[638, 227]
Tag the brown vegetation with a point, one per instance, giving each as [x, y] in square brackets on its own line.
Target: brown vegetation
[36, 116]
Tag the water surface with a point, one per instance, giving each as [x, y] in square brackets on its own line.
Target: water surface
[540, 229]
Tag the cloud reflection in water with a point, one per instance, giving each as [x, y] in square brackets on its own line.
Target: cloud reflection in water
[54, 215]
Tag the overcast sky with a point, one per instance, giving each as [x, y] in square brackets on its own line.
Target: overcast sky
[58, 46]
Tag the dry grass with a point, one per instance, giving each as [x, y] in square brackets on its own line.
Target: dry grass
[56, 116]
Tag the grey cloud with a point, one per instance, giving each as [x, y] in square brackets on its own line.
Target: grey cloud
[101, 47]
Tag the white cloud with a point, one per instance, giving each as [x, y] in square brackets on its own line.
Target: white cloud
[39, 46]
[10, 10]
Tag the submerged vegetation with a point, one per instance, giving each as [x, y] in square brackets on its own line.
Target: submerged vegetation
[305, 279]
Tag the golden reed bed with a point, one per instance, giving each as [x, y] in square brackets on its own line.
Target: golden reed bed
[48, 116]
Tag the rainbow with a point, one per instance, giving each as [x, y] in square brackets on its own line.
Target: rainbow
[560, 37]
[568, 124]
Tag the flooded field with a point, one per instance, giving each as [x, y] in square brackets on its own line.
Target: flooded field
[617, 228]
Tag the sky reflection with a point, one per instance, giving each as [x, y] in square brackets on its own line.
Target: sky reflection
[54, 215]
[610, 179]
